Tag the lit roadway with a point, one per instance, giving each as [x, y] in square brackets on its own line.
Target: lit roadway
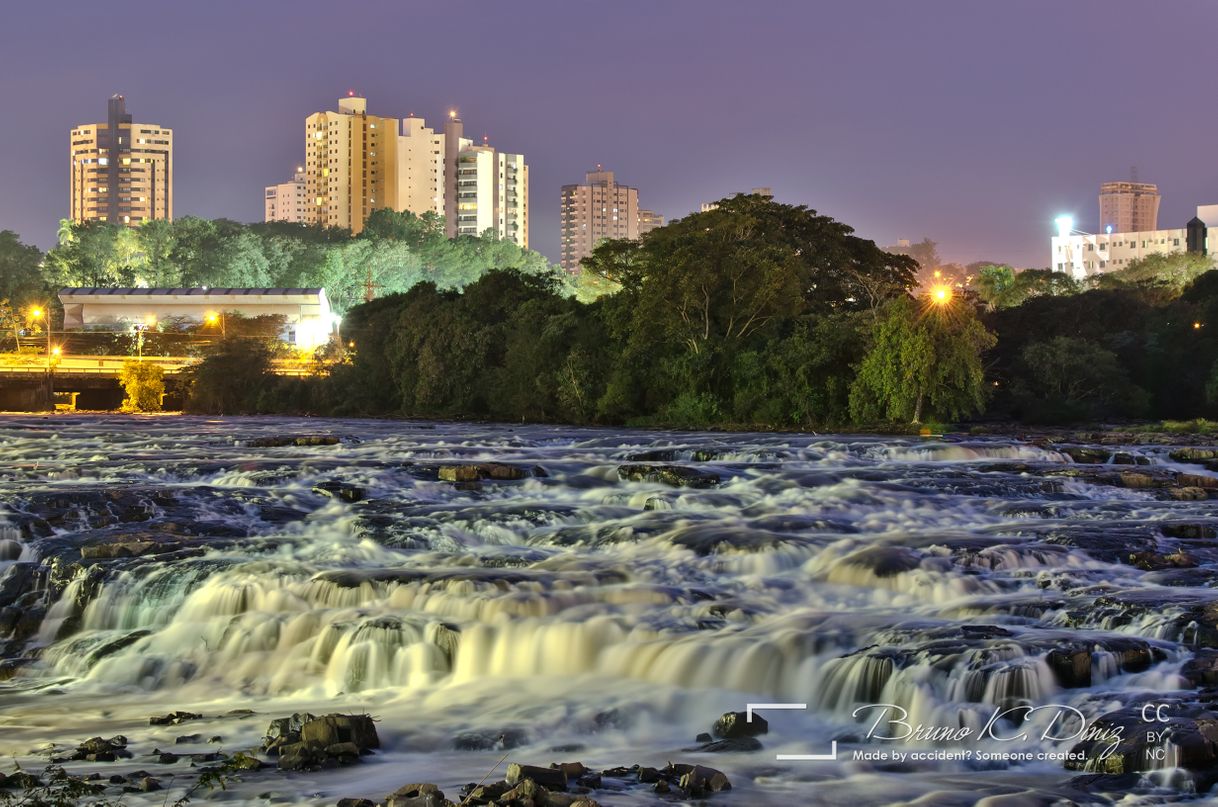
[25, 364]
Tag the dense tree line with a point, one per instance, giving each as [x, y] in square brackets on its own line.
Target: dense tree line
[393, 253]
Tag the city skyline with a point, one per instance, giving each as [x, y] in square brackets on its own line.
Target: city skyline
[980, 166]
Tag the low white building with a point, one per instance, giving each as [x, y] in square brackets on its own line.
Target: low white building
[1082, 255]
[308, 321]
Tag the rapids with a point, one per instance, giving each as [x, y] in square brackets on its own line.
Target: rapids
[151, 564]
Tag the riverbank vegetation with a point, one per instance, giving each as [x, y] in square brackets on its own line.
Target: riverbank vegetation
[754, 314]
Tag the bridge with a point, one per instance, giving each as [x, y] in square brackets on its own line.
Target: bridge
[26, 379]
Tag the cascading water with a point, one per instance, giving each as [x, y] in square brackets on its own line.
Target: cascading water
[150, 565]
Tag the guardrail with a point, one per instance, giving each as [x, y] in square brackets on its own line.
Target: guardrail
[67, 365]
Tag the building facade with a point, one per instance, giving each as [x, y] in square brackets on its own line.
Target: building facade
[288, 201]
[648, 221]
[1129, 207]
[350, 164]
[307, 319]
[122, 171]
[1083, 255]
[356, 163]
[420, 176]
[597, 210]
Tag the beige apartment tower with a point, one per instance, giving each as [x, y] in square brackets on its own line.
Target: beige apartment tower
[597, 210]
[122, 171]
[1129, 207]
[356, 163]
[350, 165]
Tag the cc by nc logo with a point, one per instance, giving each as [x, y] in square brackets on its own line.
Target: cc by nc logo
[1153, 713]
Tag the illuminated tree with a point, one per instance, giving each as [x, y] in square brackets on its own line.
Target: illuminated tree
[926, 358]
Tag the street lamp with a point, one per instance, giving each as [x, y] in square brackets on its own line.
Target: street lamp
[941, 295]
[212, 318]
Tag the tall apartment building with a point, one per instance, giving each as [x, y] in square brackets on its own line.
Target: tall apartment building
[356, 163]
[1129, 207]
[122, 171]
[600, 209]
[484, 189]
[350, 164]
[420, 176]
[288, 201]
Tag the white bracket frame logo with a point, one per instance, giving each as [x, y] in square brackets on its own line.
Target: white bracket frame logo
[755, 707]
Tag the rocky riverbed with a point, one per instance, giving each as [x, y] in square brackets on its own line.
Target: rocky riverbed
[315, 611]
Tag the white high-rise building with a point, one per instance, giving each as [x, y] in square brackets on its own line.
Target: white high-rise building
[288, 201]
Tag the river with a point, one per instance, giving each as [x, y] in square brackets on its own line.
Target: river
[581, 612]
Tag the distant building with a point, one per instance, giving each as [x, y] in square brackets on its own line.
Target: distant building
[350, 164]
[356, 163]
[288, 201]
[768, 193]
[306, 312]
[1082, 255]
[648, 221]
[484, 189]
[420, 168]
[122, 171]
[597, 210]
[1129, 207]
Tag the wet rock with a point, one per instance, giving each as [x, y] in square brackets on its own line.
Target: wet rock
[417, 795]
[189, 739]
[489, 741]
[885, 561]
[1194, 454]
[678, 476]
[336, 728]
[698, 781]
[1087, 455]
[349, 802]
[10, 549]
[128, 546]
[551, 778]
[1202, 669]
[1071, 667]
[340, 490]
[173, 718]
[479, 471]
[321, 742]
[1122, 744]
[167, 758]
[731, 725]
[1190, 532]
[284, 731]
[96, 749]
[733, 744]
[283, 440]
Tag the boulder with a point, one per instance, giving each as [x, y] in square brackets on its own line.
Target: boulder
[736, 724]
[173, 718]
[343, 491]
[678, 476]
[551, 778]
[336, 729]
[282, 440]
[478, 471]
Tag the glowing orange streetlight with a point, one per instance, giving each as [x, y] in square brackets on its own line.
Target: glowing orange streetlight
[1196, 326]
[941, 295]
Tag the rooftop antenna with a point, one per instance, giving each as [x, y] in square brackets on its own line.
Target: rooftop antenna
[1133, 173]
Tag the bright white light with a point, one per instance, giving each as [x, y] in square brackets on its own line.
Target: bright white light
[1065, 224]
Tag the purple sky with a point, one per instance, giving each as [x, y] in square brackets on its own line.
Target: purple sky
[971, 122]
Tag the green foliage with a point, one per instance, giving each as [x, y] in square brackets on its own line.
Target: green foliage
[925, 360]
[21, 280]
[231, 379]
[1000, 286]
[1174, 271]
[53, 787]
[144, 384]
[1067, 379]
[395, 252]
